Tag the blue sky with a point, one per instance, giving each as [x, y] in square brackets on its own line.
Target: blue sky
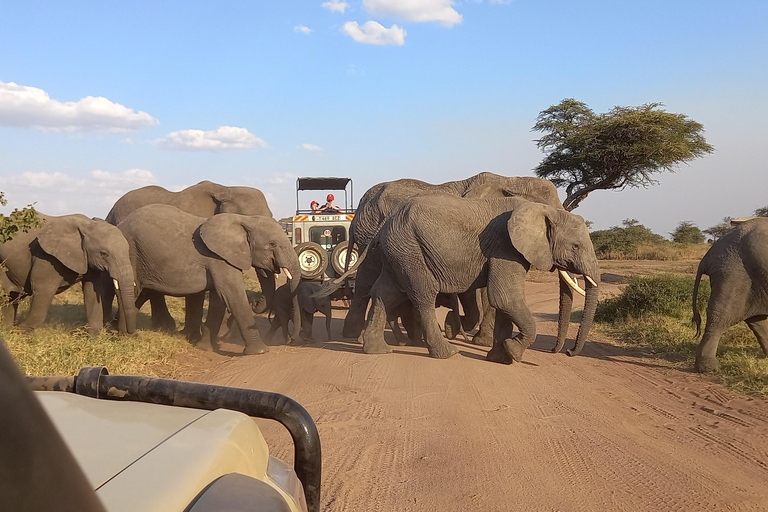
[97, 98]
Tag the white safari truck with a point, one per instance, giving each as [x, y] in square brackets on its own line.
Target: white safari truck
[321, 237]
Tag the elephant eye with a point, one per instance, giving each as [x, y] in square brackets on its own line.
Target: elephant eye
[576, 246]
[272, 245]
[103, 253]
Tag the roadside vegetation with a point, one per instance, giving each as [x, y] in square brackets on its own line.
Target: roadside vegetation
[633, 241]
[654, 313]
[61, 346]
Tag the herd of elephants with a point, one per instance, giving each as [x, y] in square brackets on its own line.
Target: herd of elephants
[420, 245]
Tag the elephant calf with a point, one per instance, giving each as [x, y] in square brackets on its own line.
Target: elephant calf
[282, 307]
[737, 266]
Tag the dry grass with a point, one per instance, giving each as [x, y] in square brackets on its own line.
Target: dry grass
[659, 252]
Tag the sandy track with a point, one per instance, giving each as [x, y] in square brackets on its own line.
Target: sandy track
[602, 431]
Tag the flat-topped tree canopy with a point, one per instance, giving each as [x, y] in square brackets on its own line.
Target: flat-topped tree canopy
[322, 183]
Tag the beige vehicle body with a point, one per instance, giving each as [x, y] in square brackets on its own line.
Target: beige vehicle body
[149, 457]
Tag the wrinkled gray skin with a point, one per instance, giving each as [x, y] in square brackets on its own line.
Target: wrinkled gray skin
[503, 238]
[737, 266]
[175, 253]
[381, 200]
[45, 261]
[282, 307]
[205, 199]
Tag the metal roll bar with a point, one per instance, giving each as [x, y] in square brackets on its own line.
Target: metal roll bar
[95, 382]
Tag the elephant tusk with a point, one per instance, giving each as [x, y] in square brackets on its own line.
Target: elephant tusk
[591, 281]
[572, 283]
[287, 273]
[117, 286]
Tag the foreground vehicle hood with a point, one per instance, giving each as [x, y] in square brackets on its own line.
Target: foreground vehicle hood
[147, 457]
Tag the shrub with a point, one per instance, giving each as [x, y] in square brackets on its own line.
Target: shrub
[663, 294]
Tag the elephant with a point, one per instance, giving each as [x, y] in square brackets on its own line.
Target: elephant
[46, 261]
[501, 238]
[381, 200]
[205, 199]
[737, 266]
[282, 306]
[179, 254]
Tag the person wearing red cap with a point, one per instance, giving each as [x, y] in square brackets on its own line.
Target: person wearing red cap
[315, 206]
[329, 207]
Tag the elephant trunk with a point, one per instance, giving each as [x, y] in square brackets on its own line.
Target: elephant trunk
[126, 304]
[564, 318]
[267, 283]
[293, 286]
[587, 317]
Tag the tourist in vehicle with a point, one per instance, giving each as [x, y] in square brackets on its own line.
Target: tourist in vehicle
[315, 206]
[329, 207]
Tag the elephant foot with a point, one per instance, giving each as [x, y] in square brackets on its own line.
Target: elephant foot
[193, 335]
[499, 354]
[707, 365]
[204, 345]
[374, 344]
[514, 348]
[482, 339]
[93, 332]
[255, 348]
[443, 350]
[165, 324]
[452, 325]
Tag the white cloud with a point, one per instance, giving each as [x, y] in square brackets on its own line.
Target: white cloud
[415, 10]
[32, 107]
[503, 2]
[302, 29]
[336, 5]
[224, 138]
[57, 193]
[374, 33]
[311, 147]
[282, 178]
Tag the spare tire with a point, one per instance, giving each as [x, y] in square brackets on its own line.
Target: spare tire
[313, 259]
[339, 257]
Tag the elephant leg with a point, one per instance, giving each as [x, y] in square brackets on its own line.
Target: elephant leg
[209, 336]
[229, 285]
[193, 316]
[502, 329]
[438, 346]
[161, 317]
[723, 302]
[307, 318]
[384, 295]
[455, 307]
[355, 320]
[452, 324]
[273, 327]
[42, 297]
[11, 308]
[326, 310]
[706, 353]
[484, 336]
[506, 292]
[401, 338]
[759, 326]
[93, 299]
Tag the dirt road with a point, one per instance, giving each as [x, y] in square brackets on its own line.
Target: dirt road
[602, 431]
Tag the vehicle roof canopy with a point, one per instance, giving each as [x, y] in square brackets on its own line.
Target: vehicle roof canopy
[322, 183]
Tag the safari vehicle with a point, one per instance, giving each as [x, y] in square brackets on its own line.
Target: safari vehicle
[322, 237]
[147, 444]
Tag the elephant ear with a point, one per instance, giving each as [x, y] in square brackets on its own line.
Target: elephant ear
[225, 235]
[530, 228]
[63, 239]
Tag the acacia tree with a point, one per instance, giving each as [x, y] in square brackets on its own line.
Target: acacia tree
[719, 230]
[624, 147]
[762, 212]
[18, 220]
[687, 233]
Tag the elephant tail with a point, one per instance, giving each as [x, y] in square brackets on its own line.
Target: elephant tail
[330, 286]
[696, 320]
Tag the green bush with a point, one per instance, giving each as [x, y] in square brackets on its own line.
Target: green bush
[663, 294]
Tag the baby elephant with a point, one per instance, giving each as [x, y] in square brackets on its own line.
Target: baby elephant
[283, 310]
